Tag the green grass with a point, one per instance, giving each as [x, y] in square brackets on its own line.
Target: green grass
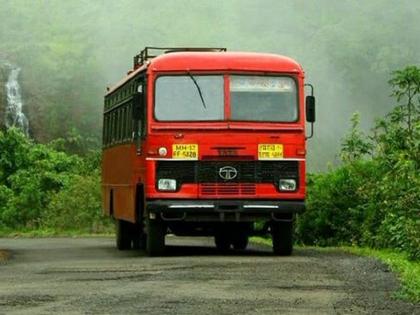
[261, 241]
[407, 271]
[52, 233]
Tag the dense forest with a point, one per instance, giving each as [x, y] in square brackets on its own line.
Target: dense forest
[70, 51]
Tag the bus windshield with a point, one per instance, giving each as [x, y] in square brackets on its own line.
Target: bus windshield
[201, 98]
[263, 98]
[177, 98]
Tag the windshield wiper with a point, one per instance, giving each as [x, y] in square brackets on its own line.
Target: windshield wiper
[198, 89]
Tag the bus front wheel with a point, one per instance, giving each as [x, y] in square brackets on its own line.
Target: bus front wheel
[282, 236]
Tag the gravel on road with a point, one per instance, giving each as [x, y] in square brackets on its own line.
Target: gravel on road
[3, 255]
[89, 276]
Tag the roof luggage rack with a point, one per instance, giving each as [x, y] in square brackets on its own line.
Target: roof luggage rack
[152, 52]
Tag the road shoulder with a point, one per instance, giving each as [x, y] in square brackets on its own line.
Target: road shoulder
[405, 270]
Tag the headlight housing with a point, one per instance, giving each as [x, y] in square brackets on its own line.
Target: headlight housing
[287, 184]
[167, 184]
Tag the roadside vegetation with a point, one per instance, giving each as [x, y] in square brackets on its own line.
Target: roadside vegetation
[44, 189]
[373, 198]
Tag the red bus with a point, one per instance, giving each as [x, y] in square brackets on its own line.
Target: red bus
[201, 141]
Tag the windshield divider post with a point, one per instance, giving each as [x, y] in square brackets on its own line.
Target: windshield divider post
[227, 96]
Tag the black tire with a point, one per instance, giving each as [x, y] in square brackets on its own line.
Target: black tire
[240, 241]
[282, 235]
[222, 242]
[123, 234]
[138, 237]
[155, 240]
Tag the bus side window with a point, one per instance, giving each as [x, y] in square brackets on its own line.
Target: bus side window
[137, 113]
[124, 125]
[120, 123]
[105, 133]
[129, 122]
[116, 125]
[122, 120]
[127, 126]
[142, 122]
[107, 129]
[110, 123]
[113, 119]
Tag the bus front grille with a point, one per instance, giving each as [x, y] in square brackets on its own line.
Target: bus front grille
[208, 172]
[223, 189]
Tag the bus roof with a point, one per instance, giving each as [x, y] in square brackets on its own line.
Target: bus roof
[215, 61]
[223, 61]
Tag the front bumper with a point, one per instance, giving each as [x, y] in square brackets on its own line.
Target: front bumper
[223, 210]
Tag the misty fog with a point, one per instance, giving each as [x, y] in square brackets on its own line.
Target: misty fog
[69, 51]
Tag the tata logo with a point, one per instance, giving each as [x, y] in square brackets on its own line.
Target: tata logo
[228, 172]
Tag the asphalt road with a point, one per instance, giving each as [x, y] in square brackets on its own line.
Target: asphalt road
[89, 276]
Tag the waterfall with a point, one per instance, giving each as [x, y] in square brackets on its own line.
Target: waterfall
[14, 117]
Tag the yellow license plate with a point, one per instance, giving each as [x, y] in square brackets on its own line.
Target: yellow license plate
[185, 151]
[270, 151]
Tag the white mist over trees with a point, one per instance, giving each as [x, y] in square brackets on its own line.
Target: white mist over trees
[69, 51]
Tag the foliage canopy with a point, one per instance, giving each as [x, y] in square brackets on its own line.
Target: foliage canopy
[42, 187]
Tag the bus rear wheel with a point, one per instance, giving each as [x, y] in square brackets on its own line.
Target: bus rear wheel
[138, 237]
[124, 231]
[129, 235]
[240, 241]
[222, 242]
[282, 236]
[155, 240]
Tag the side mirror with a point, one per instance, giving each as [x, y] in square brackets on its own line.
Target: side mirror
[310, 108]
[138, 106]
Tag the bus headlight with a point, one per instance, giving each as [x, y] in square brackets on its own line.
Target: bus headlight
[287, 184]
[166, 184]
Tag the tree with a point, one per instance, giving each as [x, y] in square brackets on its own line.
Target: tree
[406, 89]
